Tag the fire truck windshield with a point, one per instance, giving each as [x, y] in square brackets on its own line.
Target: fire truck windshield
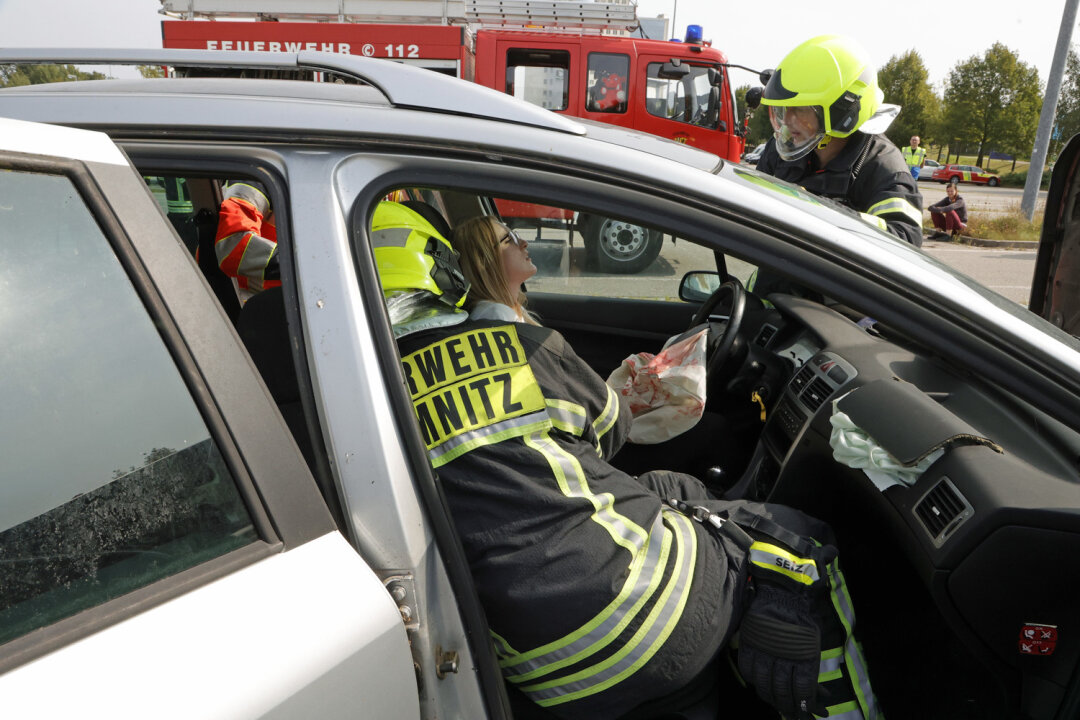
[689, 99]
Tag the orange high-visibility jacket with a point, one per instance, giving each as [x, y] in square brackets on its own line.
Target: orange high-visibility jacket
[246, 241]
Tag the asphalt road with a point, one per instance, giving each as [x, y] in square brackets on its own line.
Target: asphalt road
[1006, 272]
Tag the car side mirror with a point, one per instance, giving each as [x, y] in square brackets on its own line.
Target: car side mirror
[716, 78]
[698, 285]
[673, 70]
[753, 97]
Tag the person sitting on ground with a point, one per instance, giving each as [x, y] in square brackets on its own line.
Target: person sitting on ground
[496, 262]
[949, 214]
[603, 591]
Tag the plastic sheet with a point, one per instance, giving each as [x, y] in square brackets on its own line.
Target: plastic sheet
[854, 448]
[666, 392]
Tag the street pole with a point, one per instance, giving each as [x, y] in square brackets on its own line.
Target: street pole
[675, 13]
[1046, 119]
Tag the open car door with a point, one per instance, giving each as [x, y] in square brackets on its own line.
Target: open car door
[1055, 288]
[164, 550]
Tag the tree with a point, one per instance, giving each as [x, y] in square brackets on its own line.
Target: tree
[1067, 117]
[992, 103]
[906, 82]
[14, 75]
[760, 129]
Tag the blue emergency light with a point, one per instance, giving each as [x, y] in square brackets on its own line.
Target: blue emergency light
[693, 34]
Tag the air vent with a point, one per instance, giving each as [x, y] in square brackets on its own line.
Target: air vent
[765, 335]
[942, 510]
[789, 417]
[802, 378]
[816, 394]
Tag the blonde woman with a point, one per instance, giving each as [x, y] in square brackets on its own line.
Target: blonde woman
[496, 261]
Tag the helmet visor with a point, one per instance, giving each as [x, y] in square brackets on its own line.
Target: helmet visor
[798, 129]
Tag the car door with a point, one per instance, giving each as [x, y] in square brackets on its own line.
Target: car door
[1055, 287]
[165, 551]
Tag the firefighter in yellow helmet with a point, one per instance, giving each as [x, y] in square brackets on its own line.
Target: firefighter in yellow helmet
[420, 273]
[827, 114]
[603, 591]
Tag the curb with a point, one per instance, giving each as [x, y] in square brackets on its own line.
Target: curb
[986, 243]
[1008, 244]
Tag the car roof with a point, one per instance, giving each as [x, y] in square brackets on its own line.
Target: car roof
[402, 85]
[243, 105]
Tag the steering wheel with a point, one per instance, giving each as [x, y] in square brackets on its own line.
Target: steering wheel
[722, 335]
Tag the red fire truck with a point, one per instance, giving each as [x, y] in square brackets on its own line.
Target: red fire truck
[556, 54]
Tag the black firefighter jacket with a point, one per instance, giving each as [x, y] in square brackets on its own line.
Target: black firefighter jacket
[598, 595]
[869, 175]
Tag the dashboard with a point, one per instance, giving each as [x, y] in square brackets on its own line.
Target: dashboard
[964, 558]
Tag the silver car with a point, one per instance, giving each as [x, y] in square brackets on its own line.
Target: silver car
[216, 510]
[754, 155]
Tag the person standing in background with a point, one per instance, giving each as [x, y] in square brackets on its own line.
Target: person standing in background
[914, 156]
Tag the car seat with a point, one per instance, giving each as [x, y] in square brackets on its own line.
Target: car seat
[263, 327]
[206, 222]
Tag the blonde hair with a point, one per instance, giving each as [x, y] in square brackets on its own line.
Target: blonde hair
[477, 241]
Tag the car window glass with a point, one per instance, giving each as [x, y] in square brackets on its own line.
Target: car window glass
[579, 253]
[110, 479]
[539, 77]
[607, 82]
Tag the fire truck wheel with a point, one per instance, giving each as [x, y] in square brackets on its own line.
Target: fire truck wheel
[616, 246]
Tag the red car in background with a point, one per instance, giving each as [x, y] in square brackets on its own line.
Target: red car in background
[965, 173]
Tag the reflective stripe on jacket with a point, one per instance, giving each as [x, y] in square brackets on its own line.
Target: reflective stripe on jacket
[245, 243]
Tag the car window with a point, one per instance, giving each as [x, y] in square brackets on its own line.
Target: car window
[579, 253]
[539, 77]
[110, 479]
[606, 81]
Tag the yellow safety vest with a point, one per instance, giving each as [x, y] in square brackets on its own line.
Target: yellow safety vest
[914, 156]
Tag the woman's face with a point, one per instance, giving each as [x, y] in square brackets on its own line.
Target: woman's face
[517, 266]
[951, 192]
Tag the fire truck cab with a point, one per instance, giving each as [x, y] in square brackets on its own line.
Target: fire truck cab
[675, 90]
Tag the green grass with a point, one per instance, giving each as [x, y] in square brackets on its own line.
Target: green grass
[1012, 226]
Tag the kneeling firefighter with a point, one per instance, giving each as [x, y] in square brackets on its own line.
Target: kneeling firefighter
[603, 591]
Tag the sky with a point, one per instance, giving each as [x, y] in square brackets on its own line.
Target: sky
[757, 36]
[944, 33]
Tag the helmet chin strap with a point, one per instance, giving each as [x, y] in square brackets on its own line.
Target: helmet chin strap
[824, 141]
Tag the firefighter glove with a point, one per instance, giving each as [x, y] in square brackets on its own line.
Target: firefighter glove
[779, 651]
